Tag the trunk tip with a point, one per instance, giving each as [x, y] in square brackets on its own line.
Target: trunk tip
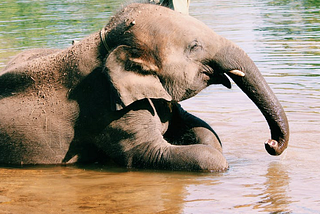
[273, 148]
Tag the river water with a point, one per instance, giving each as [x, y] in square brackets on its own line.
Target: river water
[281, 36]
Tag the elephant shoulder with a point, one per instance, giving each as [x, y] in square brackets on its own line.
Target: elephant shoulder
[29, 55]
[15, 78]
[14, 82]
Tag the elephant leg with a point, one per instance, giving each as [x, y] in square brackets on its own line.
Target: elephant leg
[157, 153]
[137, 140]
[160, 154]
[196, 157]
[187, 129]
[202, 135]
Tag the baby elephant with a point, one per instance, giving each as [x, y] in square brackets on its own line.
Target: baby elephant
[114, 96]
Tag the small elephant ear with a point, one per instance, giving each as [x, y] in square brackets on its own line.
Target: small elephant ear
[133, 77]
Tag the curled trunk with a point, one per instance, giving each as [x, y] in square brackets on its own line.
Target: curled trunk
[256, 88]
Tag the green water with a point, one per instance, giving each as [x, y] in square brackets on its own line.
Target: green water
[33, 24]
[281, 36]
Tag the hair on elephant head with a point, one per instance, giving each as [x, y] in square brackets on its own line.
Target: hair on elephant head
[123, 85]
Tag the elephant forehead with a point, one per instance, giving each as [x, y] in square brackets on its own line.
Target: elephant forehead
[158, 23]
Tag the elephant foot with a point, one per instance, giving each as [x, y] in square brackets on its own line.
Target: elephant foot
[197, 158]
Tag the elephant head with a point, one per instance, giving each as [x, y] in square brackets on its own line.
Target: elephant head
[154, 52]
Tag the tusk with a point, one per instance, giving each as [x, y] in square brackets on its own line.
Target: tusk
[237, 72]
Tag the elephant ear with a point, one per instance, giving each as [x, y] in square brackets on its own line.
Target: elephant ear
[133, 76]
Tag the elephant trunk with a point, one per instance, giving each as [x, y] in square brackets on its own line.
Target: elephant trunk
[256, 88]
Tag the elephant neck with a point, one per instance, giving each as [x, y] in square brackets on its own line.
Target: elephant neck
[84, 57]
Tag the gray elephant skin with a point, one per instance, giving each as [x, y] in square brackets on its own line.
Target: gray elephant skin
[114, 96]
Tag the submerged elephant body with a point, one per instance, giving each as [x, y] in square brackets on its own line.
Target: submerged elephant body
[114, 96]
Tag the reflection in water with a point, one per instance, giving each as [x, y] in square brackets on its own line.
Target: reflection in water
[73, 190]
[95, 190]
[274, 197]
[269, 194]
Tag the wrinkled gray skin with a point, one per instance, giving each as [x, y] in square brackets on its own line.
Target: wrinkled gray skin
[87, 103]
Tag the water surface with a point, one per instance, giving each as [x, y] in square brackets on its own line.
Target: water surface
[281, 36]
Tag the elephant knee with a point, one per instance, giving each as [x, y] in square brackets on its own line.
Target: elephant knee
[207, 137]
[212, 160]
[197, 157]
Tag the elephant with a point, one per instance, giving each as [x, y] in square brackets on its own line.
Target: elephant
[114, 96]
[181, 6]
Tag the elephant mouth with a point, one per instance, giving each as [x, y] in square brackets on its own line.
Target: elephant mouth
[215, 76]
[218, 76]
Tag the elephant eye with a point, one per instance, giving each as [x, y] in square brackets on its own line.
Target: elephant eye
[195, 45]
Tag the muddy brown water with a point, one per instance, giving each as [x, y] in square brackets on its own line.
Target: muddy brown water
[282, 37]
